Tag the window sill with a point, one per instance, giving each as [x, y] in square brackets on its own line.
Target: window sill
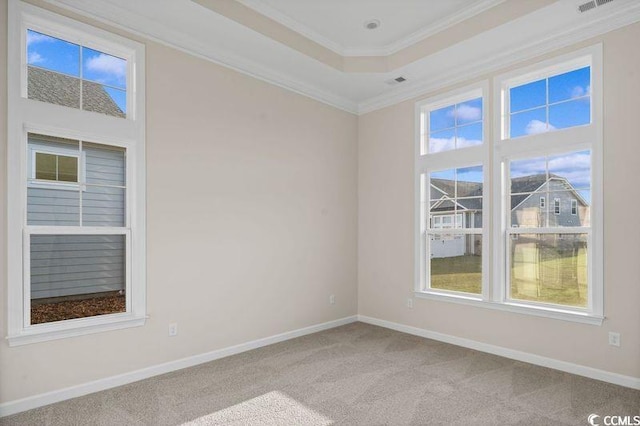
[539, 311]
[74, 327]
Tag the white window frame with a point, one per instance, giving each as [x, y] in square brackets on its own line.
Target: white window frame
[574, 207]
[557, 206]
[31, 116]
[426, 163]
[577, 138]
[543, 202]
[498, 150]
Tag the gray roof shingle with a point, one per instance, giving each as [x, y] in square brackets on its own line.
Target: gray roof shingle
[60, 89]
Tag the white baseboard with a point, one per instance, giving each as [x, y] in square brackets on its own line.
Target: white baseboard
[568, 367]
[17, 406]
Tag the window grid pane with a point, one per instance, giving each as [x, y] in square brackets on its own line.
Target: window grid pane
[74, 76]
[455, 126]
[549, 268]
[76, 276]
[557, 102]
[98, 197]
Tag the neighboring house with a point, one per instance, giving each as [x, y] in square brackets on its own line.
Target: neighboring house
[65, 186]
[536, 199]
[539, 199]
[449, 212]
[60, 89]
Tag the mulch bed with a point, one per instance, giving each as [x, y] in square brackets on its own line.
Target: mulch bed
[69, 309]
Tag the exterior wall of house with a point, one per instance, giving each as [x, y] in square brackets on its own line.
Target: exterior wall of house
[457, 245]
[386, 250]
[251, 222]
[529, 213]
[65, 265]
[69, 265]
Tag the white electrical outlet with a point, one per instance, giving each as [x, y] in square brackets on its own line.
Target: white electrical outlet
[332, 299]
[173, 329]
[409, 303]
[614, 338]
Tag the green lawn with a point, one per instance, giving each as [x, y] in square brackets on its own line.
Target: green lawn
[459, 273]
[548, 277]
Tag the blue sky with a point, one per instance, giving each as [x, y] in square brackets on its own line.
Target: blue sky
[456, 126]
[58, 55]
[568, 103]
[540, 106]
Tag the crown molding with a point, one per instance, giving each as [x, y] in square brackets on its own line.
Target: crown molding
[626, 14]
[390, 49]
[149, 29]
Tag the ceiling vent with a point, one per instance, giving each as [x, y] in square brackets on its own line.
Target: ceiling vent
[396, 80]
[590, 5]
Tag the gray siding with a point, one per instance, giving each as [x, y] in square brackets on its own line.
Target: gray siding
[64, 265]
[55, 205]
[529, 213]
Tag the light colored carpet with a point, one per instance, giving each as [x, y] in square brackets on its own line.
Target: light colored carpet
[356, 374]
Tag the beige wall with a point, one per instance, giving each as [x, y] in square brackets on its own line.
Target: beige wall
[386, 217]
[252, 223]
[256, 198]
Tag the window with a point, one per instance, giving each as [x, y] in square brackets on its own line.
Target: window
[64, 73]
[553, 102]
[545, 260]
[550, 145]
[452, 125]
[450, 172]
[60, 168]
[76, 200]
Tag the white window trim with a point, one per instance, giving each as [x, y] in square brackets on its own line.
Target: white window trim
[494, 291]
[574, 207]
[451, 159]
[31, 116]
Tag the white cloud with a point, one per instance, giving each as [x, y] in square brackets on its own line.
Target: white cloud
[575, 167]
[35, 58]
[536, 126]
[464, 142]
[580, 160]
[33, 37]
[441, 144]
[468, 113]
[447, 144]
[580, 91]
[107, 64]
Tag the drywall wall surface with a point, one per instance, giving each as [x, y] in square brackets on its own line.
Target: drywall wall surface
[251, 224]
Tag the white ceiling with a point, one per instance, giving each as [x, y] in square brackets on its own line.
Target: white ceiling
[339, 24]
[187, 26]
